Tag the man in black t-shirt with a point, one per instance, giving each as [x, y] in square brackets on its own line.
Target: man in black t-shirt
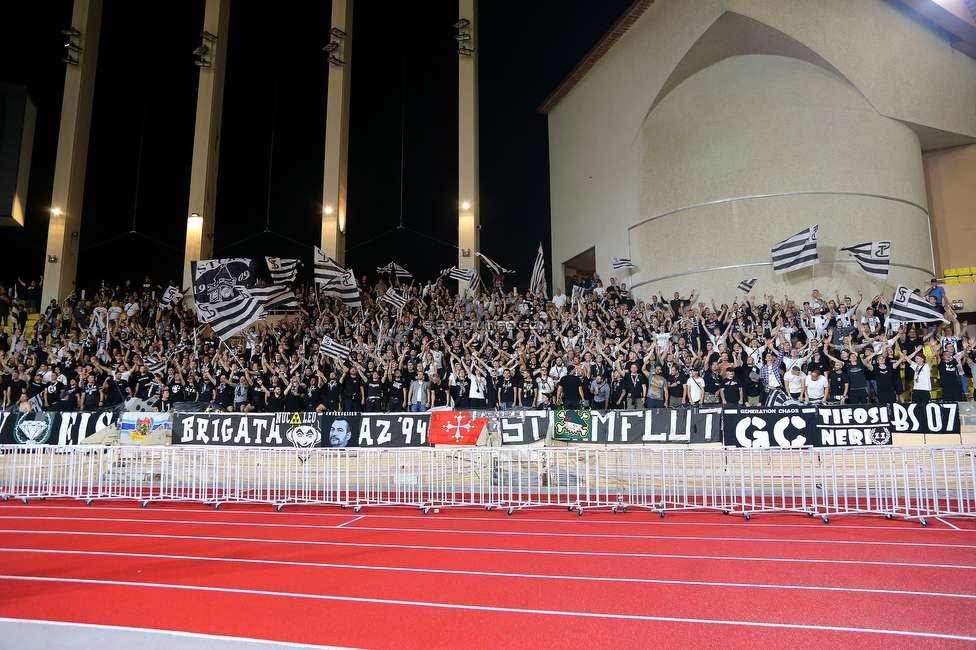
[570, 390]
[839, 383]
[731, 390]
[438, 391]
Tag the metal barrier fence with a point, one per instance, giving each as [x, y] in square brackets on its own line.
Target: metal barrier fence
[914, 483]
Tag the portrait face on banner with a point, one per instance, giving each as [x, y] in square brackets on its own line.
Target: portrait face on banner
[340, 430]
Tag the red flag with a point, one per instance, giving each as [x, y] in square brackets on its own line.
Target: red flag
[455, 428]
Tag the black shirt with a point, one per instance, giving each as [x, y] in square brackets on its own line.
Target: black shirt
[838, 382]
[571, 386]
[730, 390]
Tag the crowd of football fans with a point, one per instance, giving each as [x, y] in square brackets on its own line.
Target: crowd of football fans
[595, 348]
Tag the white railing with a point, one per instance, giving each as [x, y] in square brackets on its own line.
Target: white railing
[913, 483]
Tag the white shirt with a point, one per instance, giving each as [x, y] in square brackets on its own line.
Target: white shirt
[696, 388]
[816, 388]
[923, 376]
[795, 382]
[559, 300]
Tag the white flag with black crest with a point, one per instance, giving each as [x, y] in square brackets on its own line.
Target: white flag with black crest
[873, 257]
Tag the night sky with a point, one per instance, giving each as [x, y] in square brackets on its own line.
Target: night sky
[404, 80]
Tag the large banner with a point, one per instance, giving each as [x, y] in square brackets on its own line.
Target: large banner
[53, 427]
[805, 426]
[392, 430]
[284, 430]
[925, 418]
[523, 427]
[690, 425]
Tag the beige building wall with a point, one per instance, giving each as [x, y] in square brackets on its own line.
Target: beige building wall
[950, 183]
[837, 135]
[754, 149]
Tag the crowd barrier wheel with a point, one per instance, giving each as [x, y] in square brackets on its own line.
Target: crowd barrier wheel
[569, 508]
[487, 508]
[661, 513]
[810, 514]
[613, 510]
[747, 516]
[24, 499]
[888, 515]
[6, 498]
[145, 504]
[343, 506]
[921, 520]
[216, 506]
[279, 507]
[511, 510]
[88, 502]
[625, 509]
[357, 509]
[426, 510]
[825, 518]
[579, 513]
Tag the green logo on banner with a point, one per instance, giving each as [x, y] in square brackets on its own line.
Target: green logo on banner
[33, 431]
[571, 425]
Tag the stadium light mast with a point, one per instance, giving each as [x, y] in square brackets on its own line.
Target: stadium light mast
[212, 62]
[81, 58]
[339, 50]
[469, 204]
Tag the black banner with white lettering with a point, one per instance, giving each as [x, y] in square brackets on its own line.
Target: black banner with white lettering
[807, 426]
[522, 427]
[678, 426]
[770, 427]
[925, 418]
[392, 430]
[853, 425]
[285, 430]
[54, 427]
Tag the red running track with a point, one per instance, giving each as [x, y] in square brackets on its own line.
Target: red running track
[467, 578]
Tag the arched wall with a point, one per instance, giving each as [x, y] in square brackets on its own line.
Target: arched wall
[753, 150]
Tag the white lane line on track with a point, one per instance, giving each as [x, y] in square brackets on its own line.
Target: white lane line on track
[459, 531]
[488, 608]
[483, 549]
[350, 521]
[948, 524]
[883, 525]
[494, 574]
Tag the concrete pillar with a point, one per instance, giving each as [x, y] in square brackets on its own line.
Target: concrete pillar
[337, 133]
[206, 136]
[469, 206]
[61, 265]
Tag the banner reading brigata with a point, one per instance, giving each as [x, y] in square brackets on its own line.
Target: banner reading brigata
[295, 430]
[806, 426]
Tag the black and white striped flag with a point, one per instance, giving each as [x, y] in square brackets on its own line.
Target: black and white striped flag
[394, 269]
[538, 273]
[15, 307]
[275, 297]
[494, 267]
[283, 271]
[221, 293]
[622, 263]
[171, 295]
[333, 349]
[155, 367]
[461, 275]
[910, 308]
[873, 257]
[395, 299]
[797, 252]
[325, 269]
[746, 285]
[344, 288]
